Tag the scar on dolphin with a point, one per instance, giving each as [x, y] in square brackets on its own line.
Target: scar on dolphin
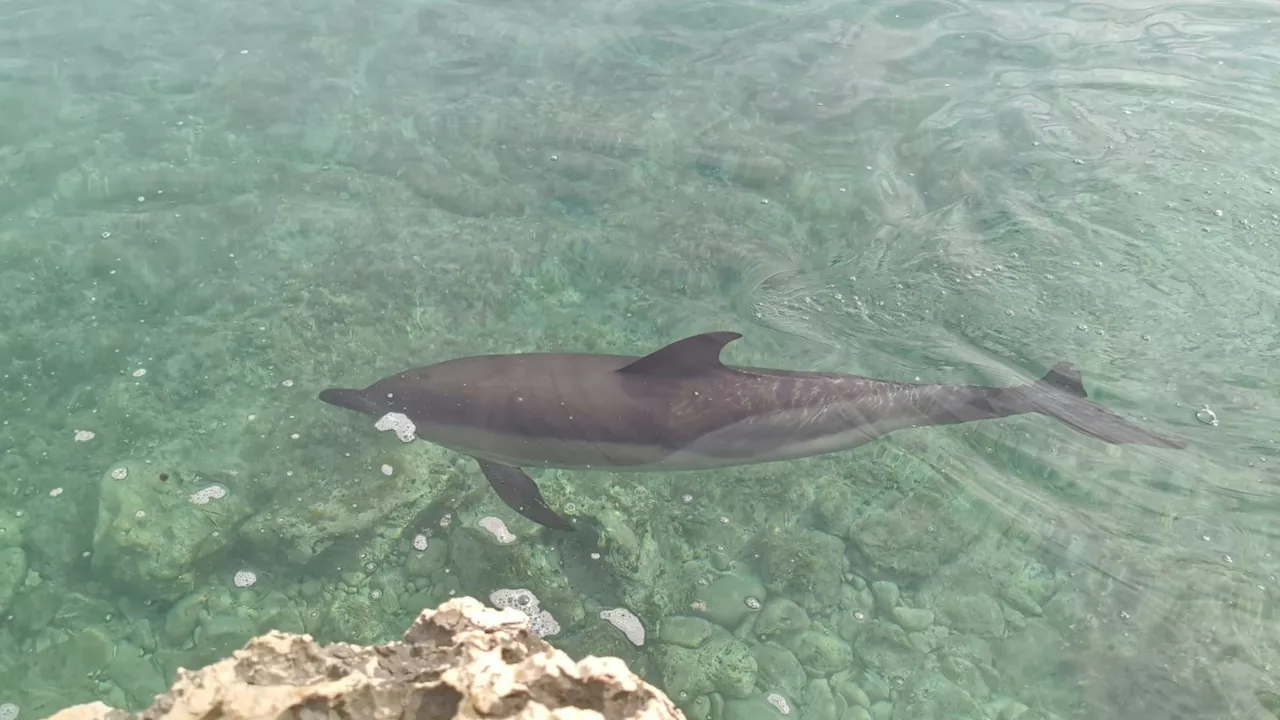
[681, 408]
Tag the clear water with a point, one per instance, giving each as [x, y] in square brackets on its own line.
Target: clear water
[254, 201]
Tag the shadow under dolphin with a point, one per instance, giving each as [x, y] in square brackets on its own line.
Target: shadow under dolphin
[681, 408]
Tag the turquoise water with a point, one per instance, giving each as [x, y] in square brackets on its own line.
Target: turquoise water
[209, 212]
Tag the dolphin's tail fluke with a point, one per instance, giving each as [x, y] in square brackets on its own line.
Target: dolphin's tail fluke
[1060, 394]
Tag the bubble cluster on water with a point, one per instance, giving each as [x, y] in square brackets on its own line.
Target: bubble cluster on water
[1207, 416]
[522, 599]
[400, 423]
[627, 622]
[203, 497]
[498, 529]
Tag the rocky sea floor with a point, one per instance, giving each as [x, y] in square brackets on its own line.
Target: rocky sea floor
[208, 216]
[874, 585]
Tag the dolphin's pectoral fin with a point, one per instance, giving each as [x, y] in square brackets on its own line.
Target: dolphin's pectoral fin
[690, 356]
[521, 494]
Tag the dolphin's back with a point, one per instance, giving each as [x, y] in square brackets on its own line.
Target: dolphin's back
[577, 411]
[681, 408]
[550, 410]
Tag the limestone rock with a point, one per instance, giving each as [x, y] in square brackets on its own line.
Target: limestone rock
[781, 615]
[460, 660]
[724, 601]
[722, 664]
[892, 541]
[804, 565]
[151, 540]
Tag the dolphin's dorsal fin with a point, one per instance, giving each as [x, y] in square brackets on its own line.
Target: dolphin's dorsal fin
[1065, 376]
[690, 356]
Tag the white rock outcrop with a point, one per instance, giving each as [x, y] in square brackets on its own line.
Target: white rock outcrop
[461, 660]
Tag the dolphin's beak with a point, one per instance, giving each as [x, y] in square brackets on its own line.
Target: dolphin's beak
[349, 399]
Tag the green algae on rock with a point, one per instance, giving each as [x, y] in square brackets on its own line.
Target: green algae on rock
[724, 600]
[151, 540]
[780, 615]
[722, 664]
[803, 564]
[13, 573]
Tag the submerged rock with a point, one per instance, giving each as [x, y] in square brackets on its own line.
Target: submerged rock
[685, 630]
[13, 571]
[781, 615]
[152, 539]
[722, 664]
[724, 601]
[804, 565]
[892, 541]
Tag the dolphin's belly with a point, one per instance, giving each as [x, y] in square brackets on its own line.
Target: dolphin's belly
[564, 416]
[770, 438]
[549, 451]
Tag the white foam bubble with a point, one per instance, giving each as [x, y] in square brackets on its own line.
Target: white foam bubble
[627, 622]
[518, 598]
[498, 529]
[213, 492]
[541, 622]
[400, 423]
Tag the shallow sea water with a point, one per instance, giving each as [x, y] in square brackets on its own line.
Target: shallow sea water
[210, 212]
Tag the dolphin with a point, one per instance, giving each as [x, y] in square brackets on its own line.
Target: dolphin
[682, 408]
